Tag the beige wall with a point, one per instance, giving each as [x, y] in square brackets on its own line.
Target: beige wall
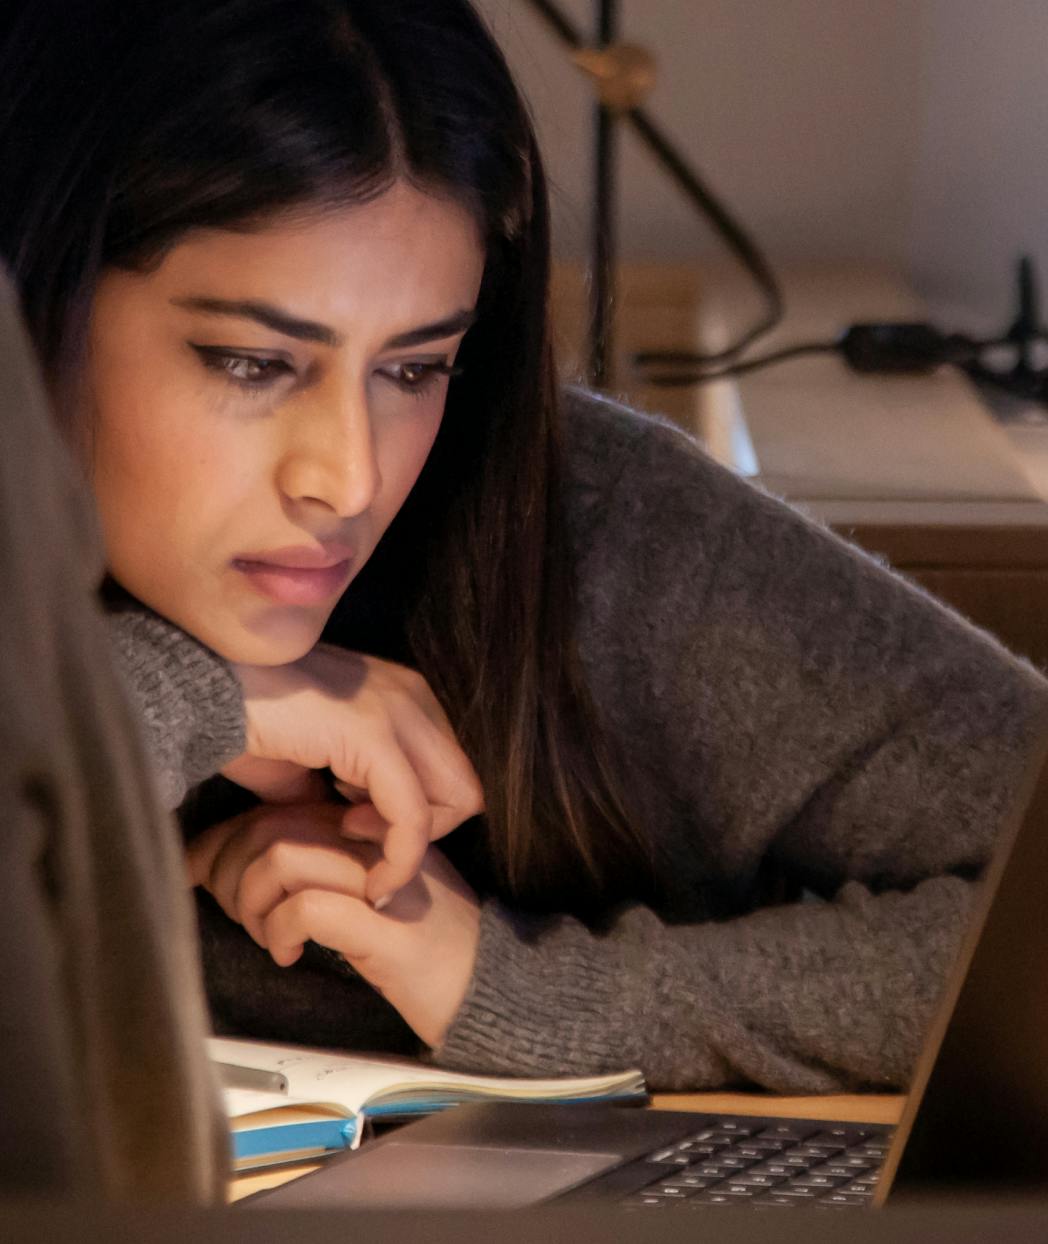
[981, 184]
[799, 113]
[909, 130]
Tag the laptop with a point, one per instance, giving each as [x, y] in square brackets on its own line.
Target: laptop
[976, 1114]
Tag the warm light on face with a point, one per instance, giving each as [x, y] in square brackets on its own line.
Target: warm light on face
[262, 404]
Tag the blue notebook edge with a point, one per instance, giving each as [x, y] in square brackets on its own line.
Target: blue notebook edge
[289, 1138]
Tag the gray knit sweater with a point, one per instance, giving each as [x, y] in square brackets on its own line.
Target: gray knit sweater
[782, 705]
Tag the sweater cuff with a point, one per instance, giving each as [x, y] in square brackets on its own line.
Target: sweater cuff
[543, 992]
[188, 698]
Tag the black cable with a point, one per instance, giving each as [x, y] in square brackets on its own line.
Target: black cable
[879, 348]
[679, 380]
[562, 26]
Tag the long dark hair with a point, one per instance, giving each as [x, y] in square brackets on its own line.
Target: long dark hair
[123, 125]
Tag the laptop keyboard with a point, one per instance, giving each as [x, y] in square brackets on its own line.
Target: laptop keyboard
[742, 1161]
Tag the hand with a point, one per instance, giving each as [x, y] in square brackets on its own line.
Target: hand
[288, 876]
[419, 952]
[383, 734]
[255, 860]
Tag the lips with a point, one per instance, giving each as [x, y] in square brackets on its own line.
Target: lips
[298, 576]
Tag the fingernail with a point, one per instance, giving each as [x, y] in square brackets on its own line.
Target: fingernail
[382, 902]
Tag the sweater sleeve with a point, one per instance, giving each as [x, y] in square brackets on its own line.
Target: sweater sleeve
[188, 698]
[780, 704]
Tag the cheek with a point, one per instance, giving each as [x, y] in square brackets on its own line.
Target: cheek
[164, 479]
[406, 447]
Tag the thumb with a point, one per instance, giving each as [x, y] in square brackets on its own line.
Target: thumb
[276, 781]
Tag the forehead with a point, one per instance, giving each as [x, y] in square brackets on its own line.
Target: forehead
[405, 255]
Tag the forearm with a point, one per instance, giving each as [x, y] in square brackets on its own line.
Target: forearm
[810, 997]
[189, 700]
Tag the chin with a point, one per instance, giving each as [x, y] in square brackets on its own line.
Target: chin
[276, 644]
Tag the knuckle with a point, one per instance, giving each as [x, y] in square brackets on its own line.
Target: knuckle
[473, 792]
[305, 906]
[415, 683]
[279, 855]
[420, 826]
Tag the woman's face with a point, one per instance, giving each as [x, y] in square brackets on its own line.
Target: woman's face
[262, 403]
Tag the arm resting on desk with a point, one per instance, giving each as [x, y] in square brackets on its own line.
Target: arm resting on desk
[779, 703]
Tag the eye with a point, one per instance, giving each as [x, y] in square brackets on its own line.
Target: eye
[249, 371]
[419, 376]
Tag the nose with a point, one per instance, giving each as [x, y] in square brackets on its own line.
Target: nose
[328, 457]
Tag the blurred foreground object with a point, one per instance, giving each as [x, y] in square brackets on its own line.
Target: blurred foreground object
[104, 1089]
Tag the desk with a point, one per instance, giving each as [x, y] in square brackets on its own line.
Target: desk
[847, 1108]
[912, 468]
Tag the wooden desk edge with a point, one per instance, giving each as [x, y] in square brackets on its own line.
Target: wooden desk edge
[846, 1108]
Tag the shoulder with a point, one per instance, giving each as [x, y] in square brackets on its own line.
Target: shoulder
[603, 438]
[624, 466]
[667, 540]
[642, 492]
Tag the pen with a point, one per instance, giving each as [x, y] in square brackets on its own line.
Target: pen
[234, 1076]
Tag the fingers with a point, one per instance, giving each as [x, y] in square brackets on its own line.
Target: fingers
[253, 862]
[400, 800]
[444, 770]
[399, 858]
[402, 849]
[276, 781]
[287, 868]
[383, 734]
[334, 920]
[419, 955]
[202, 851]
[447, 782]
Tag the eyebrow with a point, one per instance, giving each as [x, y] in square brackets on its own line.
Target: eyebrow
[280, 321]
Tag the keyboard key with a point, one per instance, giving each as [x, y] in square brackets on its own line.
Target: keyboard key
[723, 1163]
[872, 1150]
[788, 1132]
[863, 1190]
[688, 1180]
[669, 1157]
[770, 1144]
[716, 1197]
[775, 1169]
[645, 1200]
[838, 1137]
[737, 1188]
[734, 1125]
[757, 1179]
[775, 1199]
[732, 1161]
[844, 1198]
[812, 1179]
[810, 1151]
[835, 1168]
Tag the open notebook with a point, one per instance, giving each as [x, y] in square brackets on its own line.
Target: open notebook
[329, 1095]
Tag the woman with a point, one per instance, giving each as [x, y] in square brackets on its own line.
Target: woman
[285, 263]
